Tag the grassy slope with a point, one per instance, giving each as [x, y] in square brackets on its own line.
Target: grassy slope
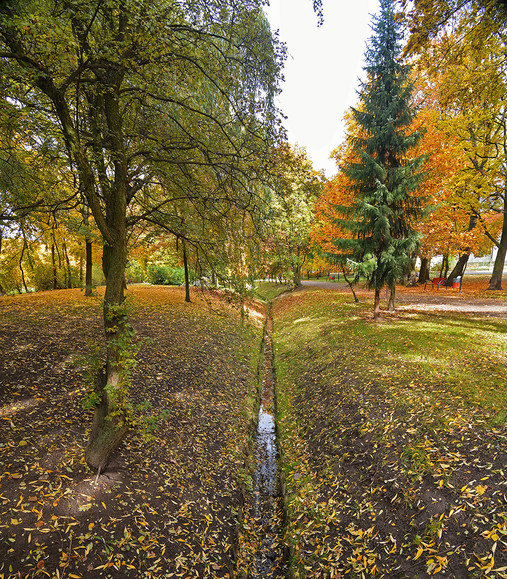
[393, 438]
[268, 290]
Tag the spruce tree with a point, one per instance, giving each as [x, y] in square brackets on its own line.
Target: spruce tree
[380, 172]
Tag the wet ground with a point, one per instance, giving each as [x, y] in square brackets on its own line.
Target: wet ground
[267, 508]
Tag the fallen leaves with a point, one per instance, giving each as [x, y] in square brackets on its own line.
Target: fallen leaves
[392, 448]
[169, 505]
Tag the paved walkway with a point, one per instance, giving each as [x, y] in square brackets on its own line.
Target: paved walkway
[447, 300]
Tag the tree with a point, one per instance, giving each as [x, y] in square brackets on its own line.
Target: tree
[467, 82]
[137, 90]
[297, 187]
[382, 176]
[426, 20]
[445, 227]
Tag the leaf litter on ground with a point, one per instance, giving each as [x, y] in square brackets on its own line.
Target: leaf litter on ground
[393, 440]
[169, 502]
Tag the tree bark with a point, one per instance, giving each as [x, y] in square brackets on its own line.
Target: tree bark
[445, 261]
[495, 283]
[88, 267]
[376, 305]
[461, 264]
[296, 277]
[185, 265]
[69, 270]
[459, 268]
[88, 253]
[392, 295]
[424, 271]
[53, 263]
[110, 422]
[21, 267]
[351, 286]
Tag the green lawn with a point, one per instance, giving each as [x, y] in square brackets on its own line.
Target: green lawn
[393, 439]
[268, 290]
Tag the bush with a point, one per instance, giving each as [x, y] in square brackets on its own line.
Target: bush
[42, 278]
[165, 275]
[134, 272]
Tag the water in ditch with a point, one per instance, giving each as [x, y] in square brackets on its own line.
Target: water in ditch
[267, 507]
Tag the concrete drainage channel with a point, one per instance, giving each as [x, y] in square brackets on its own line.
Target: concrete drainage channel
[270, 556]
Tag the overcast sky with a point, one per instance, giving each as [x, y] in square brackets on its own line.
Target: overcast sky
[322, 69]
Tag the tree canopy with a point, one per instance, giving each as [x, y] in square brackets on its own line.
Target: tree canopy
[151, 104]
[379, 170]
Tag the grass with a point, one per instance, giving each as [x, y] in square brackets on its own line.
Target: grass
[393, 440]
[268, 290]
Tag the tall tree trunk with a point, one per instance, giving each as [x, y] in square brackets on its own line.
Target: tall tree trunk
[88, 253]
[21, 267]
[69, 270]
[495, 283]
[459, 268]
[376, 305]
[2, 291]
[88, 267]
[445, 261]
[424, 271]
[350, 284]
[110, 422]
[461, 264]
[296, 275]
[392, 295]
[185, 265]
[53, 264]
[81, 265]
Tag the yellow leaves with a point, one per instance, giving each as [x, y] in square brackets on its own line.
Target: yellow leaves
[480, 489]
[471, 492]
[436, 564]
[495, 532]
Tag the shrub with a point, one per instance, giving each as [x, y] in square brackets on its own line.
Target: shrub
[165, 275]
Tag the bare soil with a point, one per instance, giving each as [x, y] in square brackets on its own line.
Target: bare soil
[169, 503]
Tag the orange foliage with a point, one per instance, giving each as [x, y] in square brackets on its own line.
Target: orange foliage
[445, 228]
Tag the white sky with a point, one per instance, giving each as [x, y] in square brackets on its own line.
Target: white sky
[322, 70]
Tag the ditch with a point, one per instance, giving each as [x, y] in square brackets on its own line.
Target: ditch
[268, 505]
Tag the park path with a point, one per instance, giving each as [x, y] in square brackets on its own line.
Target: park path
[443, 300]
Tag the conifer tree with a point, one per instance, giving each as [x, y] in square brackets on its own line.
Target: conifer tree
[380, 172]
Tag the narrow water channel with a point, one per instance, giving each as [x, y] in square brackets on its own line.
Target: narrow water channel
[269, 558]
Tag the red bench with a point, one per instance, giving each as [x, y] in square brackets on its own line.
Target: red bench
[436, 281]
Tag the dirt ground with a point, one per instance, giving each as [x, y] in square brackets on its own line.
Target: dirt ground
[169, 503]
